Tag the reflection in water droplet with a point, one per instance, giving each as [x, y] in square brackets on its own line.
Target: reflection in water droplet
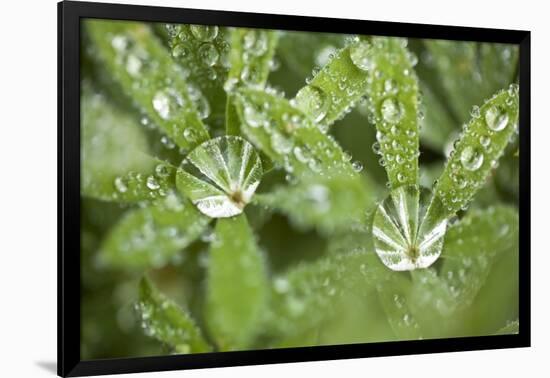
[209, 54]
[255, 42]
[496, 118]
[391, 110]
[359, 54]
[166, 102]
[408, 229]
[471, 158]
[314, 101]
[220, 176]
[152, 183]
[357, 166]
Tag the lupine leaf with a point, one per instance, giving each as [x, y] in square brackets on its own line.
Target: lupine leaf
[165, 321]
[323, 203]
[288, 137]
[115, 164]
[393, 102]
[438, 298]
[151, 236]
[147, 74]
[476, 153]
[251, 57]
[337, 87]
[472, 246]
[305, 296]
[237, 290]
[202, 52]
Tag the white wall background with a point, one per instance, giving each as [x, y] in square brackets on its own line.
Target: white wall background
[28, 186]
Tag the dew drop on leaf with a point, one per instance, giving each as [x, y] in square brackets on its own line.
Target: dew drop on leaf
[471, 158]
[359, 55]
[314, 101]
[204, 33]
[497, 119]
[409, 228]
[152, 183]
[209, 54]
[357, 166]
[166, 103]
[120, 185]
[220, 176]
[391, 110]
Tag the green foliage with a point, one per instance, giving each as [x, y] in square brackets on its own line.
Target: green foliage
[237, 290]
[167, 322]
[147, 74]
[477, 151]
[154, 234]
[393, 94]
[318, 257]
[337, 87]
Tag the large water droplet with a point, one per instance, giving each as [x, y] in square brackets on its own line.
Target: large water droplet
[360, 56]
[209, 54]
[120, 185]
[408, 229]
[391, 110]
[496, 118]
[220, 176]
[166, 102]
[204, 33]
[471, 158]
[314, 101]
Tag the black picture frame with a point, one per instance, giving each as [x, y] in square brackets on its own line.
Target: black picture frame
[69, 16]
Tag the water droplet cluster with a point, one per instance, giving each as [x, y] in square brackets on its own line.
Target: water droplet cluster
[477, 150]
[220, 176]
[333, 91]
[394, 108]
[408, 229]
[251, 59]
[203, 52]
[290, 138]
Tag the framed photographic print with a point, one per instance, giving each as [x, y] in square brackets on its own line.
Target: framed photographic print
[239, 188]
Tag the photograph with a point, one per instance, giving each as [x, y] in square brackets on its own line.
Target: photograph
[246, 189]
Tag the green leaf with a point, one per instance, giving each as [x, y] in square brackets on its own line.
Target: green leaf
[237, 290]
[289, 138]
[394, 291]
[473, 245]
[441, 301]
[337, 87]
[220, 176]
[154, 234]
[250, 59]
[143, 67]
[115, 164]
[305, 296]
[393, 102]
[202, 51]
[478, 149]
[330, 205]
[165, 321]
